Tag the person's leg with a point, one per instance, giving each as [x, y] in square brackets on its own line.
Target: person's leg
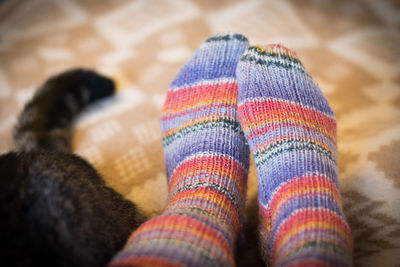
[207, 160]
[291, 131]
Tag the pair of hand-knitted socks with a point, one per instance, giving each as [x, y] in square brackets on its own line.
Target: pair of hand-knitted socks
[225, 94]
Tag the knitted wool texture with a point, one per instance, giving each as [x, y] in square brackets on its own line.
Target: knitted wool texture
[207, 160]
[291, 131]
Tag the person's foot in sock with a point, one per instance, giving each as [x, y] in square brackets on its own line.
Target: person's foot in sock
[291, 131]
[207, 160]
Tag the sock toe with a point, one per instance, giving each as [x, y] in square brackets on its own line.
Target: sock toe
[216, 58]
[274, 67]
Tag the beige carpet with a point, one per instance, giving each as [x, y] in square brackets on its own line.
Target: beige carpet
[352, 48]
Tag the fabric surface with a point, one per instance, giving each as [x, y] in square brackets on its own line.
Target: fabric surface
[351, 48]
[207, 162]
[291, 131]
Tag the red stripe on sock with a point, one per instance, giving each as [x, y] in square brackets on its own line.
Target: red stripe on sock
[204, 95]
[267, 111]
[306, 185]
[218, 164]
[311, 218]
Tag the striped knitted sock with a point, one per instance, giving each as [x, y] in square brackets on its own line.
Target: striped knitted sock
[206, 158]
[291, 131]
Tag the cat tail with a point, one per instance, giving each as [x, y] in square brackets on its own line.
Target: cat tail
[46, 120]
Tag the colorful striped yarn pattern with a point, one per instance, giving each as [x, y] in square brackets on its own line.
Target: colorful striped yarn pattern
[207, 160]
[291, 131]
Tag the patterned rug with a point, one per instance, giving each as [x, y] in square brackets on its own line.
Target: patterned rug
[352, 49]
